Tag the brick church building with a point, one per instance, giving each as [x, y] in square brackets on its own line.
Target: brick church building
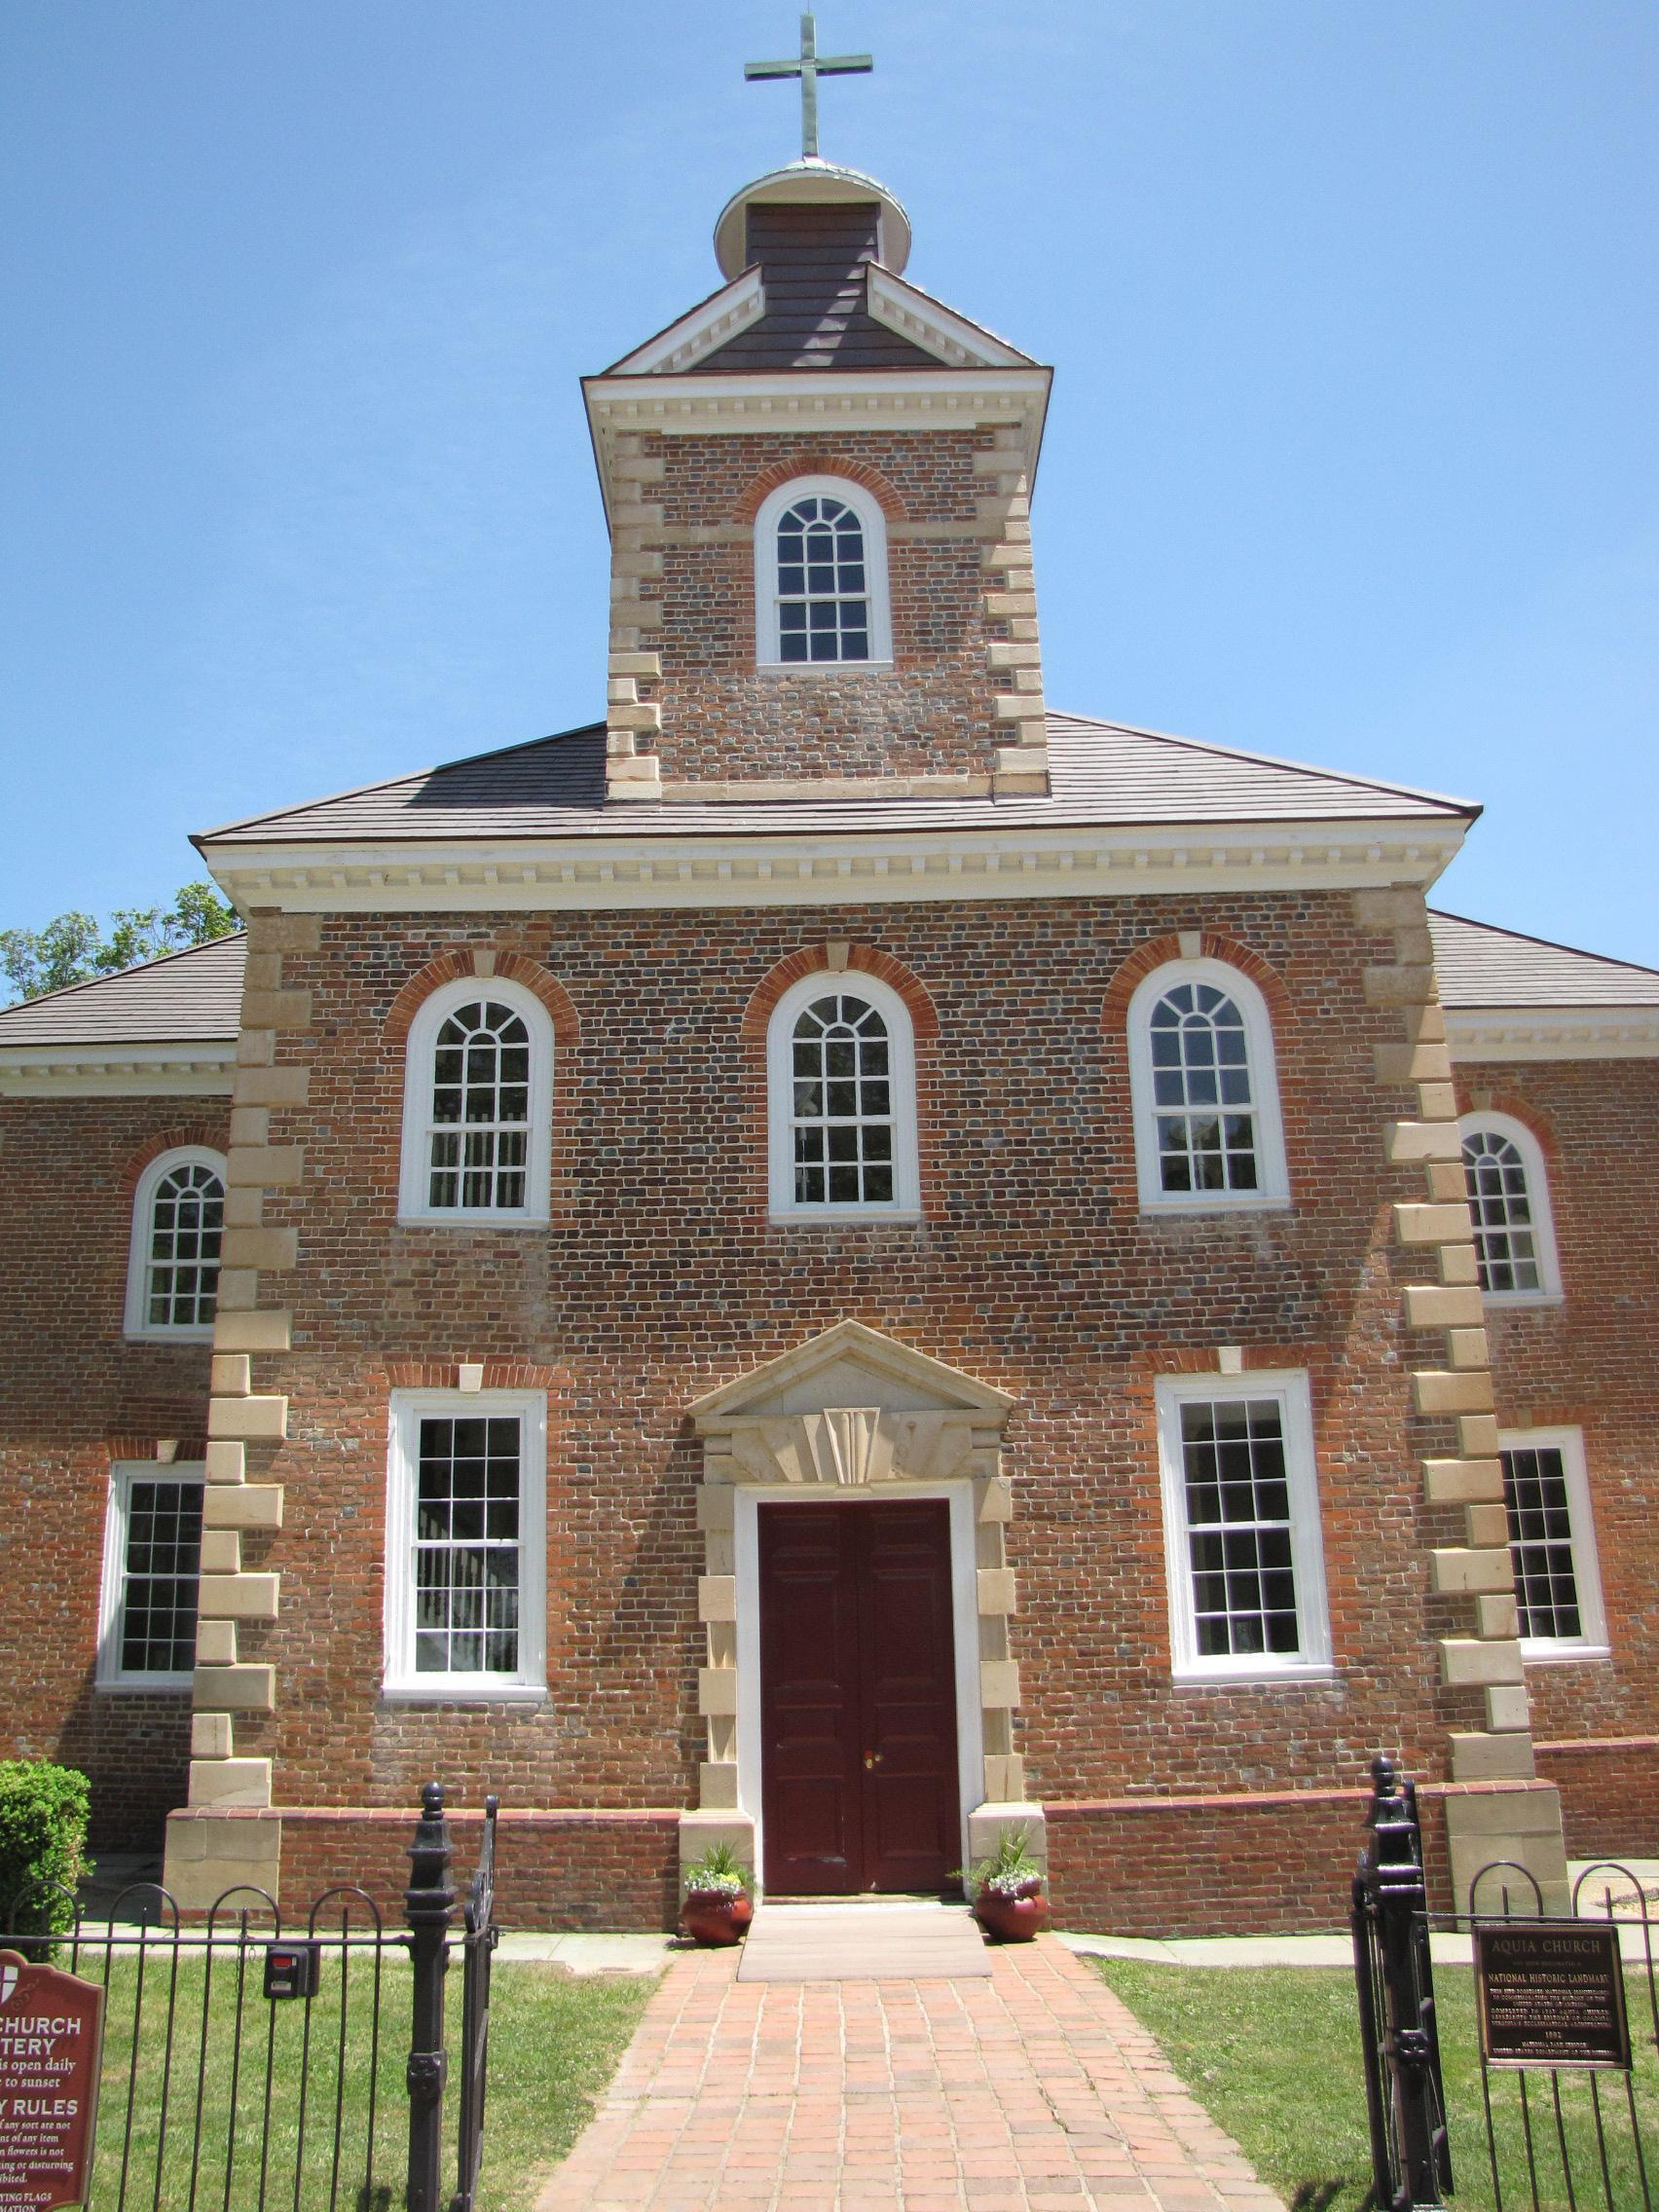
[841, 1260]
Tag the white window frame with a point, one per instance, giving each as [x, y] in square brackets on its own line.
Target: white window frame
[768, 650]
[1592, 1641]
[110, 1674]
[1272, 1173]
[905, 1203]
[414, 1204]
[136, 1322]
[400, 1679]
[1314, 1662]
[1537, 1169]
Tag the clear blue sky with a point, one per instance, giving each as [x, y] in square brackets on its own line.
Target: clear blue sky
[1353, 454]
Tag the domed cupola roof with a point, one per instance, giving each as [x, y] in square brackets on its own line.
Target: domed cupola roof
[811, 182]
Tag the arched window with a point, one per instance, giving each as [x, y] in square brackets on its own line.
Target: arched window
[841, 1079]
[178, 1218]
[477, 1105]
[821, 576]
[1509, 1206]
[1207, 1132]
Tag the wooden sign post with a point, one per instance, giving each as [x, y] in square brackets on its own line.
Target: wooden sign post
[50, 2044]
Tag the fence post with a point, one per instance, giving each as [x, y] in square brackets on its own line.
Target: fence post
[1396, 1898]
[429, 1903]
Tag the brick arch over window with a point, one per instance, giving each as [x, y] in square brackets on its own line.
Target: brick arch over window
[838, 961]
[179, 1139]
[1475, 1099]
[1116, 1096]
[808, 460]
[511, 966]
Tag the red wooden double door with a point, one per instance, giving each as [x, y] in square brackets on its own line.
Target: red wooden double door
[858, 1698]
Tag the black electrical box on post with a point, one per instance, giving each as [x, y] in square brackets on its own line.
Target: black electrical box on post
[291, 1968]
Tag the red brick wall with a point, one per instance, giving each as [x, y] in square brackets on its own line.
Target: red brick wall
[78, 1396]
[664, 1277]
[1589, 1363]
[930, 714]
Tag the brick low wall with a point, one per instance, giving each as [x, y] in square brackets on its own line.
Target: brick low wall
[553, 1869]
[1609, 1794]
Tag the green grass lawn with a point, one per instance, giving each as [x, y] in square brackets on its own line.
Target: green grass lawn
[1273, 2056]
[555, 2040]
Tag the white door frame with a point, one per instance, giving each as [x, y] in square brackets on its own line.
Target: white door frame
[965, 1627]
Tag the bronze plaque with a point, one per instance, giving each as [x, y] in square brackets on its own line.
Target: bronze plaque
[1551, 1993]
[51, 2043]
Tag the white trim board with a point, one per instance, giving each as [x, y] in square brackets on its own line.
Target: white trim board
[965, 1626]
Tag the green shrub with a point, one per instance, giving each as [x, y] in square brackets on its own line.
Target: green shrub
[42, 1839]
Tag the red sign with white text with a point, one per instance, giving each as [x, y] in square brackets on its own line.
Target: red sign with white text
[51, 2042]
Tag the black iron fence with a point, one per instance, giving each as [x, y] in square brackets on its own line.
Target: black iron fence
[253, 2064]
[1565, 2030]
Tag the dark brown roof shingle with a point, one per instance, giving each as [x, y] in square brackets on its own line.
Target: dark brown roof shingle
[191, 997]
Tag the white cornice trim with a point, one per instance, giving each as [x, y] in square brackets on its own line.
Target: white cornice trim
[935, 327]
[892, 868]
[1553, 1033]
[699, 333]
[201, 1068]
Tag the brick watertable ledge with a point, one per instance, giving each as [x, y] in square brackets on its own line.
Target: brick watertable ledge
[1609, 1794]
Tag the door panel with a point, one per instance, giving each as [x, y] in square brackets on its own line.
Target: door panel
[858, 1697]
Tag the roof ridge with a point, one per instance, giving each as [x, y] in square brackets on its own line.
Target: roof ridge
[119, 974]
[199, 837]
[1468, 806]
[1549, 943]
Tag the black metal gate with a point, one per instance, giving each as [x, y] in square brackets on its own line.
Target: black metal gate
[250, 2066]
[1565, 2029]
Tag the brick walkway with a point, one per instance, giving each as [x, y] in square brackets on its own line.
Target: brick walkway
[1034, 2089]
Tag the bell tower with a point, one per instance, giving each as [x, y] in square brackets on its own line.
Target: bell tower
[818, 487]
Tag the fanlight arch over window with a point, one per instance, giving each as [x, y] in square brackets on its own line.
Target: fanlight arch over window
[842, 1106]
[1203, 1078]
[820, 576]
[477, 1105]
[1509, 1210]
[178, 1220]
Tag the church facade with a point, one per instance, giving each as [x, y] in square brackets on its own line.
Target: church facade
[841, 1261]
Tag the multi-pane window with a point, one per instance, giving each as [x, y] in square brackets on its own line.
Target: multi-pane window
[842, 1110]
[823, 583]
[466, 1547]
[178, 1221]
[1205, 1103]
[1551, 1549]
[1200, 1060]
[467, 1568]
[1241, 1515]
[477, 1106]
[1503, 1170]
[820, 576]
[152, 1561]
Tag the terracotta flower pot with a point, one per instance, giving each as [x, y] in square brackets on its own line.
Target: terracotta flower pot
[711, 1918]
[1011, 1920]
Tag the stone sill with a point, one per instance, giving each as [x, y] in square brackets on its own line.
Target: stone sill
[1265, 1679]
[501, 1693]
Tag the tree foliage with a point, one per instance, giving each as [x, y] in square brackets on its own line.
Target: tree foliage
[72, 949]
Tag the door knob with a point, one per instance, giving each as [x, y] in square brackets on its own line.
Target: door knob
[872, 1758]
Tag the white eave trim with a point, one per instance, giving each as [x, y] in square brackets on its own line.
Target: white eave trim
[200, 1068]
[1553, 1033]
[913, 867]
[927, 324]
[699, 333]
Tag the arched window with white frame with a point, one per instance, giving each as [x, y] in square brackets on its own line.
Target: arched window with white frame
[178, 1220]
[477, 1105]
[820, 576]
[1509, 1210]
[841, 1085]
[1204, 1091]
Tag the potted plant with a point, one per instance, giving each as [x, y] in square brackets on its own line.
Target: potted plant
[717, 1909]
[1007, 1890]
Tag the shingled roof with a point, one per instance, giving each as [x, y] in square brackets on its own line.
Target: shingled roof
[1481, 966]
[1103, 774]
[184, 998]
